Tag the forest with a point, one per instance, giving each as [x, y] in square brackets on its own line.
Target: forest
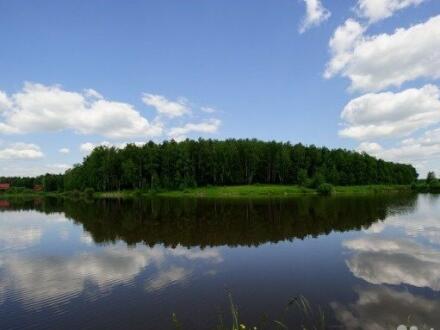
[197, 163]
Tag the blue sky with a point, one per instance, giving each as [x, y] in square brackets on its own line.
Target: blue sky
[76, 74]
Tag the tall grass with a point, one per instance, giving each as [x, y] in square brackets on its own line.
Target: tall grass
[311, 317]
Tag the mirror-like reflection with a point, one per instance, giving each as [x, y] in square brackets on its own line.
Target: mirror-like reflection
[199, 222]
[368, 261]
[382, 307]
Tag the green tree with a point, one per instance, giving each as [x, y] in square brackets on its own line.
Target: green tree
[431, 178]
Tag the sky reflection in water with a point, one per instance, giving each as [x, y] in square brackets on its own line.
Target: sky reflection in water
[370, 262]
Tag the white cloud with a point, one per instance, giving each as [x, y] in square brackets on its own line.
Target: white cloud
[40, 108]
[87, 148]
[211, 254]
[380, 307]
[5, 103]
[93, 94]
[166, 107]
[371, 148]
[376, 10]
[59, 276]
[373, 63]
[167, 277]
[411, 149]
[342, 44]
[20, 230]
[209, 126]
[57, 168]
[423, 152]
[208, 109]
[394, 261]
[421, 223]
[17, 237]
[315, 15]
[391, 114]
[15, 168]
[21, 151]
[54, 277]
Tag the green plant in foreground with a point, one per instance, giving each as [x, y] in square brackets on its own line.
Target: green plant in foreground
[312, 318]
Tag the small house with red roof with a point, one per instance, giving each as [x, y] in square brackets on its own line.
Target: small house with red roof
[4, 186]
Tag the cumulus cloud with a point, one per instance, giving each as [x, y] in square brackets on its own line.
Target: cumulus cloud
[21, 151]
[371, 148]
[391, 114]
[87, 147]
[421, 223]
[394, 261]
[93, 94]
[376, 10]
[5, 103]
[421, 151]
[209, 126]
[55, 276]
[422, 148]
[19, 230]
[342, 44]
[16, 169]
[380, 307]
[166, 107]
[167, 277]
[315, 15]
[374, 63]
[40, 108]
[20, 237]
[58, 276]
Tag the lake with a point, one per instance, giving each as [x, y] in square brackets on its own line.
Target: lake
[370, 262]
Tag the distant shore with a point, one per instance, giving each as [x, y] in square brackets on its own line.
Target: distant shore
[243, 191]
[256, 191]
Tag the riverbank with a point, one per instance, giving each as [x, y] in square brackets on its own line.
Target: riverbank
[256, 191]
[244, 191]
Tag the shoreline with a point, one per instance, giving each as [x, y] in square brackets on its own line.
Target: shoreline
[243, 191]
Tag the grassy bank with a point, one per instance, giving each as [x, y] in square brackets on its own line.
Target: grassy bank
[29, 194]
[255, 191]
[245, 191]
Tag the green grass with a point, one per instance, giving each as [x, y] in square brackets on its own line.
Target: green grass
[278, 191]
[256, 191]
[372, 189]
[244, 191]
[29, 193]
[241, 191]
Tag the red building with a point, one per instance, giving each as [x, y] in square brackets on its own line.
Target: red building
[4, 186]
[38, 187]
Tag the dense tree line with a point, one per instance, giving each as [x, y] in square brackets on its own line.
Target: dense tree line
[178, 165]
[50, 182]
[174, 165]
[431, 184]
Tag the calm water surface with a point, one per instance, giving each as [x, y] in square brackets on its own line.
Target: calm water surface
[366, 262]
